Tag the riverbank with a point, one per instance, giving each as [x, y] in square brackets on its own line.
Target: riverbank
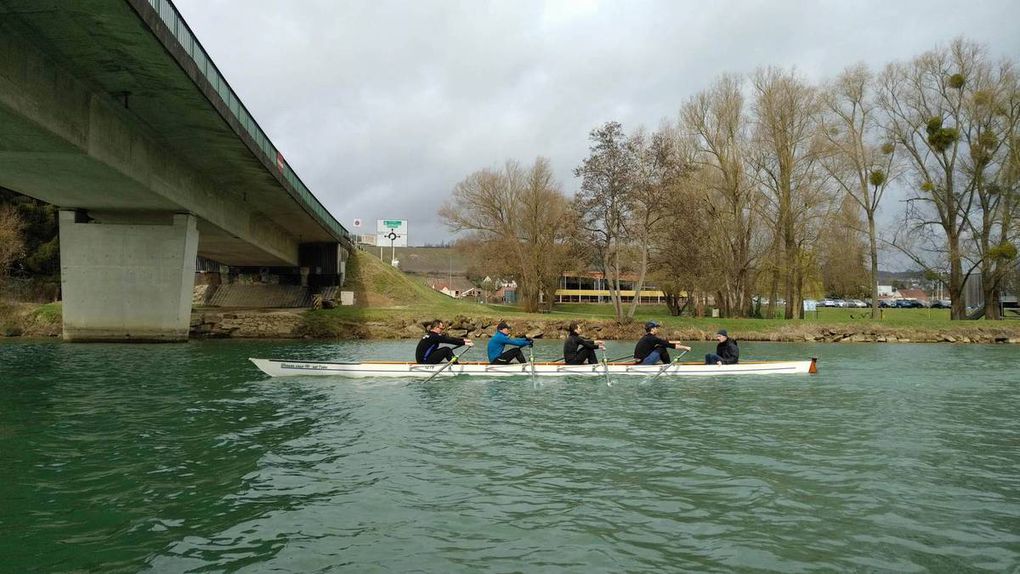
[349, 324]
[32, 320]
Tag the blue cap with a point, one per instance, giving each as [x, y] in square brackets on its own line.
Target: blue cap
[651, 325]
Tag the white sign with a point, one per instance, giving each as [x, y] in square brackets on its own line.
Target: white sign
[810, 305]
[391, 232]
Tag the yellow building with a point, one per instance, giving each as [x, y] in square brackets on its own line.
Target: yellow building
[593, 288]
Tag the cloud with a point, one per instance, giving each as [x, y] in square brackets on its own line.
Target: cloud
[383, 106]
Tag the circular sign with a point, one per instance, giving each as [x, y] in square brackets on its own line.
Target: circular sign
[357, 222]
[392, 236]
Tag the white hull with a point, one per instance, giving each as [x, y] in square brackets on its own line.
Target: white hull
[397, 369]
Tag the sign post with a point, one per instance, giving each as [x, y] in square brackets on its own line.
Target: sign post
[357, 227]
[809, 306]
[394, 231]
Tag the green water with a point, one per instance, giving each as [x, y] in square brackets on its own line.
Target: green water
[181, 458]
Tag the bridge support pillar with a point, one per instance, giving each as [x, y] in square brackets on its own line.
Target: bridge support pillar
[127, 281]
[326, 264]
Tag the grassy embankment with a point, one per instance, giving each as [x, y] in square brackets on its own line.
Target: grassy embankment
[30, 319]
[390, 304]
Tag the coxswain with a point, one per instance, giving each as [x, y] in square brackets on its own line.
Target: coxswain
[726, 352]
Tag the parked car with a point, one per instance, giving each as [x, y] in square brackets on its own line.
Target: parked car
[841, 303]
[857, 303]
[886, 303]
[828, 303]
[941, 304]
[909, 304]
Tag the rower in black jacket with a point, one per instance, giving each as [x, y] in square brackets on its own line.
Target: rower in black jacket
[430, 350]
[651, 350]
[726, 352]
[577, 350]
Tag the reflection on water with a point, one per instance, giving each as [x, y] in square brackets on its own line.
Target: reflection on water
[184, 457]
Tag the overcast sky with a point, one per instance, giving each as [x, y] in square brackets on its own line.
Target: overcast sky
[382, 107]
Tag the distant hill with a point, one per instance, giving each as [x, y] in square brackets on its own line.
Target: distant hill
[438, 261]
[887, 277]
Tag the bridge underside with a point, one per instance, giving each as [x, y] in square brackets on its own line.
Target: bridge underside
[99, 118]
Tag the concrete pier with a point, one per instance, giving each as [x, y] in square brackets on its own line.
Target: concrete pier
[127, 281]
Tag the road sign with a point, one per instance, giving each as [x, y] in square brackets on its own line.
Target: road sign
[391, 232]
[357, 222]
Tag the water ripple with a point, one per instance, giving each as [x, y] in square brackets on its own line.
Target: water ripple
[181, 458]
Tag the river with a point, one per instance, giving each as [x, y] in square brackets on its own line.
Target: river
[176, 458]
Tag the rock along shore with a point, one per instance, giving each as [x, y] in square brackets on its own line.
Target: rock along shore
[293, 323]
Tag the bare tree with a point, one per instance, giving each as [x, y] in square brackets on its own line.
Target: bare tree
[519, 217]
[681, 259]
[547, 222]
[842, 251]
[992, 111]
[927, 103]
[716, 120]
[663, 163]
[605, 203]
[860, 164]
[786, 164]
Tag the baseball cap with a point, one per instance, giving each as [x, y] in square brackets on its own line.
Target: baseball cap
[502, 325]
[722, 332]
[651, 325]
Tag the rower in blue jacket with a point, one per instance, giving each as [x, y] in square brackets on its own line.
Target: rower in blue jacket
[497, 356]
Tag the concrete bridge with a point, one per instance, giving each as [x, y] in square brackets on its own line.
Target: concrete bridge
[113, 111]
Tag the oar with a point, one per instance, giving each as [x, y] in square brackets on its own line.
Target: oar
[666, 366]
[531, 360]
[605, 365]
[444, 367]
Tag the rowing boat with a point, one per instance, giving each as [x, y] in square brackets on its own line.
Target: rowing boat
[414, 370]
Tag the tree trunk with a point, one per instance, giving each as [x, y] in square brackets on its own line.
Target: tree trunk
[874, 264]
[958, 310]
[773, 293]
[797, 305]
[614, 289]
[641, 280]
[618, 300]
[990, 291]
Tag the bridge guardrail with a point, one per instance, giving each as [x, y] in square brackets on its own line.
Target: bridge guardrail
[171, 17]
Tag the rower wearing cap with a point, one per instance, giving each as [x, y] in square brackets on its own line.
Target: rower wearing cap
[502, 338]
[726, 352]
[651, 350]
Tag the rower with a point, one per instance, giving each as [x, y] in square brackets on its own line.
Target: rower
[502, 338]
[577, 350]
[726, 352]
[651, 350]
[430, 351]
